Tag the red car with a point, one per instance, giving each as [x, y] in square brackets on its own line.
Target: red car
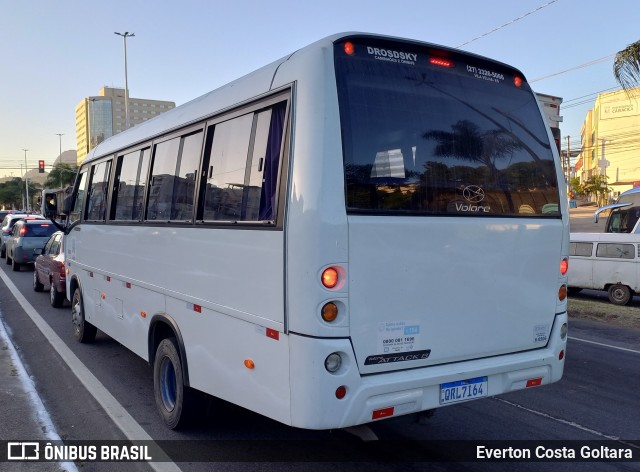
[49, 270]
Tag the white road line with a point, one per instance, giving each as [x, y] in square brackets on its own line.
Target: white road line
[41, 416]
[605, 345]
[129, 427]
[568, 423]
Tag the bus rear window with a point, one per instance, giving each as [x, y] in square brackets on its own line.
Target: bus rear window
[440, 133]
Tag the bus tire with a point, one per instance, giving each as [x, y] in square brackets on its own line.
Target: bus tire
[83, 331]
[619, 294]
[175, 401]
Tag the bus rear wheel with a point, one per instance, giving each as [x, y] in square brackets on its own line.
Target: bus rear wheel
[619, 294]
[174, 400]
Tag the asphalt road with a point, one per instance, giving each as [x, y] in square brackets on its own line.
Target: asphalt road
[596, 400]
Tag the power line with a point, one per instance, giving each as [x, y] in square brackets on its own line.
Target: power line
[586, 64]
[509, 23]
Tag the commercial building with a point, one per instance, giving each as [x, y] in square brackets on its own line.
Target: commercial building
[102, 116]
[610, 136]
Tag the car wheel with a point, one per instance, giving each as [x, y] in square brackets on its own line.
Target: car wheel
[574, 290]
[83, 331]
[37, 286]
[619, 294]
[15, 266]
[7, 260]
[56, 298]
[175, 401]
[3, 252]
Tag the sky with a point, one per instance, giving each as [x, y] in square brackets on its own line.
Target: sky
[55, 53]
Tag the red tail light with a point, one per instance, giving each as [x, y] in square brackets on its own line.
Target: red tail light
[62, 271]
[23, 231]
[437, 61]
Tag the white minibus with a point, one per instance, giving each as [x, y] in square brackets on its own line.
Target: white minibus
[605, 261]
[368, 227]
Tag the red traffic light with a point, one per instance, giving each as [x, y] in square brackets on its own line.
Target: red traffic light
[41, 167]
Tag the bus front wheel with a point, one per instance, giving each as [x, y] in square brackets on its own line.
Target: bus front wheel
[619, 294]
[173, 399]
[83, 331]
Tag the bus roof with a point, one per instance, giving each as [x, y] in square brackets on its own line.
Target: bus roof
[243, 89]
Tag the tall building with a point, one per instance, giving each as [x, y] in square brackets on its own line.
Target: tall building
[100, 117]
[610, 137]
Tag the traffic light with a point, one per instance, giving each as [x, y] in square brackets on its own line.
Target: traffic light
[41, 167]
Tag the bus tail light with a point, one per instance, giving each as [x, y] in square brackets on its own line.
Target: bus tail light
[534, 382]
[564, 266]
[330, 277]
[329, 312]
[517, 80]
[341, 391]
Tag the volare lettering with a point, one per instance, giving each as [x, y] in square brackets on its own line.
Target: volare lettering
[391, 54]
[472, 208]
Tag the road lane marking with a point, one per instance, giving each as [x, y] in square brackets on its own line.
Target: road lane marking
[41, 415]
[605, 345]
[573, 424]
[123, 420]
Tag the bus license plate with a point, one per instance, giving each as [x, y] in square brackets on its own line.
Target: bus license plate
[463, 390]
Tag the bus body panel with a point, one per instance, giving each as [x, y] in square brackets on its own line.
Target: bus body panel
[450, 289]
[248, 280]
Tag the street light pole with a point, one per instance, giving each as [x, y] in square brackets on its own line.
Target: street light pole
[126, 83]
[26, 179]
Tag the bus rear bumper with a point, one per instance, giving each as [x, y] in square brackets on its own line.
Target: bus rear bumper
[314, 404]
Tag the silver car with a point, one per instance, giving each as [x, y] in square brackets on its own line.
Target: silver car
[28, 235]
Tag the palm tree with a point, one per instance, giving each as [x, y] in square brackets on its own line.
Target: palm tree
[626, 66]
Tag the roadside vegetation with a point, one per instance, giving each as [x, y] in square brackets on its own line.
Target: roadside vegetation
[603, 310]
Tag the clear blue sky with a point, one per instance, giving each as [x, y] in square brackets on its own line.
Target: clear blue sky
[55, 53]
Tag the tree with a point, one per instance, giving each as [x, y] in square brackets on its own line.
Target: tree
[61, 176]
[597, 185]
[576, 186]
[626, 66]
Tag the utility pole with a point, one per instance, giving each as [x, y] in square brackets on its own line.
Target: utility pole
[568, 163]
[26, 179]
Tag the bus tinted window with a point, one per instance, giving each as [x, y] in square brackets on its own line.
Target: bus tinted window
[98, 190]
[454, 138]
[131, 175]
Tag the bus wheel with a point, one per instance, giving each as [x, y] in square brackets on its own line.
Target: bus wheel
[619, 294]
[84, 331]
[173, 399]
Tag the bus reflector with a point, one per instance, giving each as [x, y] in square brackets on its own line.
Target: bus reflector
[341, 391]
[437, 61]
[534, 382]
[249, 364]
[197, 308]
[349, 48]
[517, 80]
[143, 314]
[383, 413]
[561, 355]
[564, 266]
[273, 334]
[330, 277]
